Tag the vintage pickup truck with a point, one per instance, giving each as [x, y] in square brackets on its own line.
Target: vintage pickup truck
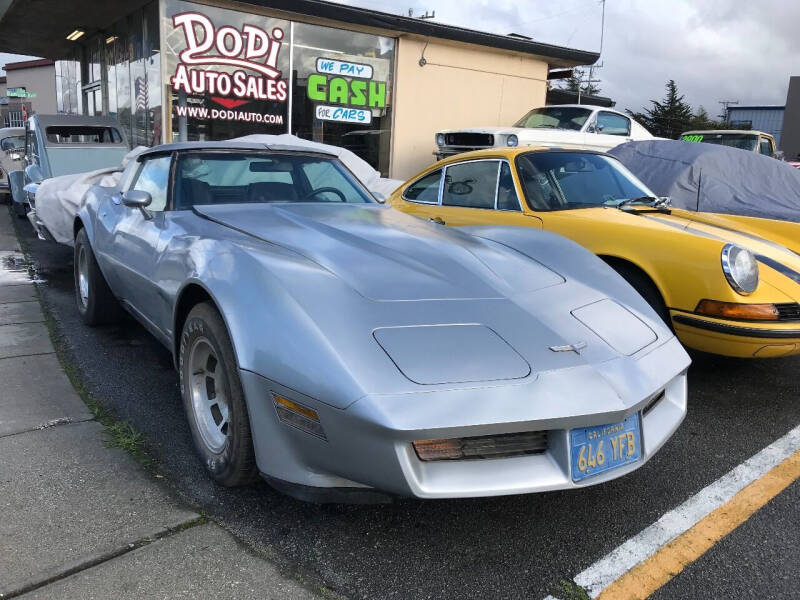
[561, 125]
[62, 145]
[745, 139]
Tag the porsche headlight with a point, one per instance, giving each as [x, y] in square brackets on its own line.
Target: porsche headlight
[740, 268]
[512, 140]
[440, 139]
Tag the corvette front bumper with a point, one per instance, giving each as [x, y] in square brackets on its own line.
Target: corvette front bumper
[369, 444]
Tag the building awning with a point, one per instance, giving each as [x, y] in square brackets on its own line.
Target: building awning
[40, 28]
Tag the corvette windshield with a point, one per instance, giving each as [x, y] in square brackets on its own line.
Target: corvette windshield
[262, 177]
[567, 180]
[555, 117]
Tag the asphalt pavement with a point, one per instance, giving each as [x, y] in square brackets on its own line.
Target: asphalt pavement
[508, 547]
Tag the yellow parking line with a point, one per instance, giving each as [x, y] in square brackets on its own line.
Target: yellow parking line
[651, 574]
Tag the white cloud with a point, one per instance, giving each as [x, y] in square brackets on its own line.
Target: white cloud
[714, 50]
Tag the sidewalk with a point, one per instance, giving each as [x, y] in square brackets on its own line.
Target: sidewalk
[79, 519]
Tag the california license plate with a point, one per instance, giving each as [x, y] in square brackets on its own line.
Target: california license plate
[594, 450]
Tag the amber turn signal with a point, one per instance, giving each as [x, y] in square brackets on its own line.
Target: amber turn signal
[733, 310]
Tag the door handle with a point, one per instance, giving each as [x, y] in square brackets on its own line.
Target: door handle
[437, 220]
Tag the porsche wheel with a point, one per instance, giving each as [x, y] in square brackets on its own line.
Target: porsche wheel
[214, 400]
[96, 304]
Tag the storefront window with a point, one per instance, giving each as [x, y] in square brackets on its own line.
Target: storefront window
[342, 90]
[227, 72]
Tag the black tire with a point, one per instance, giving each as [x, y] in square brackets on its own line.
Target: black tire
[646, 288]
[21, 210]
[96, 303]
[231, 462]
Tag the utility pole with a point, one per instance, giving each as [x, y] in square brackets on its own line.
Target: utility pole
[725, 104]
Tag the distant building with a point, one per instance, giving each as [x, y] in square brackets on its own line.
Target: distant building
[766, 118]
[791, 121]
[29, 87]
[559, 96]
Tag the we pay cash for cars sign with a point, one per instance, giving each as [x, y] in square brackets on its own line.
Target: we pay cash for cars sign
[345, 83]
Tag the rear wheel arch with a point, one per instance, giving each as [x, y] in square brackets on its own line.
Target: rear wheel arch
[77, 225]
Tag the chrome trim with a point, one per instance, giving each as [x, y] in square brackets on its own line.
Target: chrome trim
[726, 268]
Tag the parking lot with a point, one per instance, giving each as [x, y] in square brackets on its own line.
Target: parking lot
[507, 547]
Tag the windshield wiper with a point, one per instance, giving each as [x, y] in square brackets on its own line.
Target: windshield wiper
[654, 201]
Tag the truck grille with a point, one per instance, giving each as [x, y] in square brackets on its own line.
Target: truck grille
[474, 140]
[788, 312]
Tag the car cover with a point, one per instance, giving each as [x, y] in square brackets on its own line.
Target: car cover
[59, 199]
[716, 179]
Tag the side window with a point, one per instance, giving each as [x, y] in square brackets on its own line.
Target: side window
[154, 179]
[425, 189]
[765, 147]
[506, 192]
[613, 124]
[470, 184]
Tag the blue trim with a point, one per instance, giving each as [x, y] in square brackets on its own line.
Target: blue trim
[782, 269]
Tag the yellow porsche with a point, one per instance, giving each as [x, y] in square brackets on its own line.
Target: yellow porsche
[727, 285]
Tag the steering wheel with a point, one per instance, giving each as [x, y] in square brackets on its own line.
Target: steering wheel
[333, 190]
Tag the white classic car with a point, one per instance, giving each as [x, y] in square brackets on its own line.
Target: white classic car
[570, 125]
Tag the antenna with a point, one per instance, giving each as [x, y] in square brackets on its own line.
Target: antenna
[725, 104]
[427, 15]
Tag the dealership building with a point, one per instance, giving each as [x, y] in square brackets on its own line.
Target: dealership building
[376, 83]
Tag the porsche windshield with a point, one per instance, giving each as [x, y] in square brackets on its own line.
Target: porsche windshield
[566, 180]
[555, 117]
[234, 177]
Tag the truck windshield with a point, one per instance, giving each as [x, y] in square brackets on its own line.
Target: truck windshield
[555, 117]
[567, 180]
[743, 141]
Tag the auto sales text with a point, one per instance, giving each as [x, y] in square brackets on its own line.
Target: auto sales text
[252, 50]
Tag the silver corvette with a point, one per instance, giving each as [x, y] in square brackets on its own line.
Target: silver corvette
[344, 350]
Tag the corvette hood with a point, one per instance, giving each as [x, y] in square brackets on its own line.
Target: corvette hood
[386, 255]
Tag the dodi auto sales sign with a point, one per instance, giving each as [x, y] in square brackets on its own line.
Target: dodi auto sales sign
[341, 90]
[252, 56]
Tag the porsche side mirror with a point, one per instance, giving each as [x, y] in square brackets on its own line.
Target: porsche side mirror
[138, 199]
[34, 173]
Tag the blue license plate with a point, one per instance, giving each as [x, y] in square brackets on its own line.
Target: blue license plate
[594, 450]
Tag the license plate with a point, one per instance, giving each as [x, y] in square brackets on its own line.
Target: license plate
[594, 450]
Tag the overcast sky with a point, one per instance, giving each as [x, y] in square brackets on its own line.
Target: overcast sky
[714, 49]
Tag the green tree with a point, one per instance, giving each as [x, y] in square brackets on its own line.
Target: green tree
[702, 120]
[578, 80]
[668, 118]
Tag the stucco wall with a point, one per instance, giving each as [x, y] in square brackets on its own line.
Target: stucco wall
[41, 81]
[460, 86]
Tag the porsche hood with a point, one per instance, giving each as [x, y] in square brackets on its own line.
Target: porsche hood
[401, 259]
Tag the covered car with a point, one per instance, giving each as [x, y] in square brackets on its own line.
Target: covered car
[342, 349]
[728, 285]
[715, 179]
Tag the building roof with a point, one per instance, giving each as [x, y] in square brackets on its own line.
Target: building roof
[559, 96]
[758, 107]
[28, 64]
[40, 28]
[558, 55]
